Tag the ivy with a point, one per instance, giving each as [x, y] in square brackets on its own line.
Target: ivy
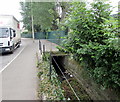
[49, 89]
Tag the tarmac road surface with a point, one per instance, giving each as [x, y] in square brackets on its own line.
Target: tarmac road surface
[19, 79]
[18, 74]
[7, 57]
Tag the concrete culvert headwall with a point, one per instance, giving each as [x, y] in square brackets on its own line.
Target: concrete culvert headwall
[72, 88]
[81, 75]
[59, 61]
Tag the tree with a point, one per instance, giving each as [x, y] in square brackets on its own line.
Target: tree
[44, 15]
[26, 14]
[91, 41]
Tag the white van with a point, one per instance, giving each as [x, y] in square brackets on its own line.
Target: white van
[10, 37]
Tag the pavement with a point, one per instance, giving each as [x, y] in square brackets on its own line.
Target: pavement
[48, 45]
[19, 78]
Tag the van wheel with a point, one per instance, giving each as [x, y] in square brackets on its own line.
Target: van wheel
[18, 46]
[12, 49]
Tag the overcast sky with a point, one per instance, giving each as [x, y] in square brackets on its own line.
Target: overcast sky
[12, 7]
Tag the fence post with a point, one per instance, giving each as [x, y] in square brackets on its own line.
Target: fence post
[43, 49]
[40, 47]
[50, 66]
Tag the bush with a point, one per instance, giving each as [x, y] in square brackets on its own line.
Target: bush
[92, 41]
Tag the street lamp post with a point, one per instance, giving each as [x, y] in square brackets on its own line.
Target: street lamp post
[32, 22]
[32, 28]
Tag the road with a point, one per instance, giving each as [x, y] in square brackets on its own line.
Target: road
[19, 77]
[18, 74]
[7, 58]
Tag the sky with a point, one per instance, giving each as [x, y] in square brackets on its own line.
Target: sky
[12, 7]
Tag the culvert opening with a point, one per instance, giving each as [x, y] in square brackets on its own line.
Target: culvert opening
[59, 62]
[59, 66]
[73, 90]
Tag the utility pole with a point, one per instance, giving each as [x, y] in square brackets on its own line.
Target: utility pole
[32, 23]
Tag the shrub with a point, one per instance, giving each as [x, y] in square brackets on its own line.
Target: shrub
[93, 41]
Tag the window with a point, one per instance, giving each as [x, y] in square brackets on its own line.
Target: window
[4, 33]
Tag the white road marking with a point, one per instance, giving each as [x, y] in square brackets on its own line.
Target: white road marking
[4, 69]
[12, 60]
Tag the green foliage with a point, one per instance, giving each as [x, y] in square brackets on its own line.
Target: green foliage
[44, 15]
[26, 14]
[46, 56]
[92, 40]
[50, 89]
[81, 93]
[62, 49]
